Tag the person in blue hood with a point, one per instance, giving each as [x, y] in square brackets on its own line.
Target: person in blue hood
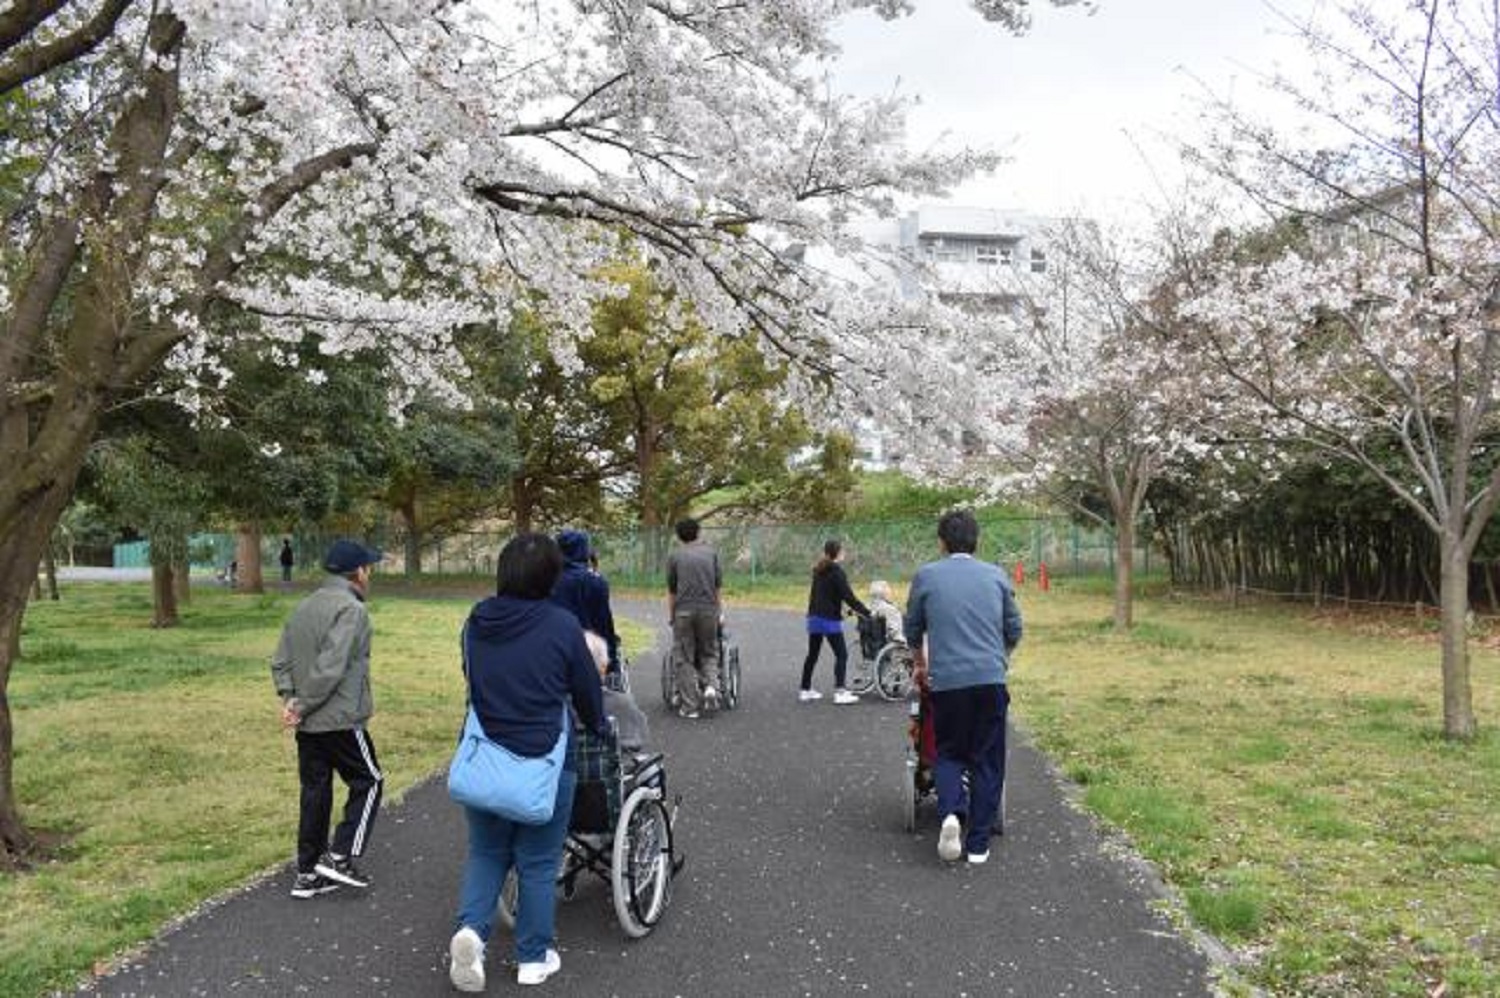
[586, 593]
[524, 657]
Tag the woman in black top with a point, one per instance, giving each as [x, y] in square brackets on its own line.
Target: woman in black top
[825, 619]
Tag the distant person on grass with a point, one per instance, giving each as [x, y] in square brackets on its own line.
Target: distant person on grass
[287, 559]
[322, 674]
[694, 608]
[966, 611]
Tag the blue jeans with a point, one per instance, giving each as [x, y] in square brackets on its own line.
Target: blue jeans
[969, 728]
[497, 844]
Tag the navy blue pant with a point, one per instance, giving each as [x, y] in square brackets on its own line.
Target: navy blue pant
[840, 658]
[969, 729]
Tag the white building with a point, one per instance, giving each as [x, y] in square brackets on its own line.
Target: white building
[979, 259]
[974, 257]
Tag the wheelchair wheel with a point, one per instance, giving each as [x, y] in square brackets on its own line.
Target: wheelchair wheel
[893, 671]
[861, 675]
[641, 868]
[731, 678]
[908, 791]
[668, 681]
[510, 893]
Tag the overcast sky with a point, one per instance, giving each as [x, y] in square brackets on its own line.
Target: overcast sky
[1069, 101]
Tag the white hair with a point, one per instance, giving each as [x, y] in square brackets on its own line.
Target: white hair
[597, 648]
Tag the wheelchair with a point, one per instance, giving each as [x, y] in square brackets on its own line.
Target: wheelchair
[729, 673]
[620, 831]
[918, 782]
[884, 664]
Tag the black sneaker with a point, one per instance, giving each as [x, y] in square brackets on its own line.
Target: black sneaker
[308, 885]
[342, 870]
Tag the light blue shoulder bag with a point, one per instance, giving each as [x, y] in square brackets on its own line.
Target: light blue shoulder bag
[487, 776]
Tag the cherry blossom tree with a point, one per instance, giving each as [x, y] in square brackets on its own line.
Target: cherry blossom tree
[1377, 319]
[169, 163]
[1111, 404]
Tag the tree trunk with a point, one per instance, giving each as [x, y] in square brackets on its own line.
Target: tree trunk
[181, 581]
[413, 543]
[1124, 570]
[247, 553]
[163, 596]
[646, 460]
[1458, 698]
[522, 506]
[49, 563]
[22, 542]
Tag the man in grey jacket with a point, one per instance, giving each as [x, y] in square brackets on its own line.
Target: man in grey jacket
[322, 674]
[694, 591]
[967, 613]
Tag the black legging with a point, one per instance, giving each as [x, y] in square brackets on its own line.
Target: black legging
[840, 658]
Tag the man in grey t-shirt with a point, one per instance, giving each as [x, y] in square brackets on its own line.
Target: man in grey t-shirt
[693, 585]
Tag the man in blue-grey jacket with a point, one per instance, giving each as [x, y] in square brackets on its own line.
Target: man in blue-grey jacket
[966, 612]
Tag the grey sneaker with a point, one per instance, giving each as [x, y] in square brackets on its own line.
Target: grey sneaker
[310, 885]
[710, 698]
[342, 870]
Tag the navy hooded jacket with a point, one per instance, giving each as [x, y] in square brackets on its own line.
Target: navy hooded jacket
[525, 658]
[585, 592]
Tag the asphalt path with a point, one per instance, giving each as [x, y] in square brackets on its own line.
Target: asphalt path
[799, 879]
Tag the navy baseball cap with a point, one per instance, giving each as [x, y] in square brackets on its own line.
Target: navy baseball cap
[346, 556]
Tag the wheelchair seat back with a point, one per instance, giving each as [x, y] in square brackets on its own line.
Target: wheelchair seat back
[596, 800]
[871, 636]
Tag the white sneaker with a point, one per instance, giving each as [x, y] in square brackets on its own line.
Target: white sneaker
[807, 696]
[710, 698]
[536, 973]
[979, 858]
[949, 845]
[844, 696]
[466, 953]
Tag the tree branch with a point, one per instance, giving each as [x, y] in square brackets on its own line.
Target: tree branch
[27, 65]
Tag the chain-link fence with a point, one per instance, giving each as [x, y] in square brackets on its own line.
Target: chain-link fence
[752, 554]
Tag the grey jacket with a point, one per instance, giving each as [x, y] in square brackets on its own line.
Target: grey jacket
[693, 577]
[323, 659]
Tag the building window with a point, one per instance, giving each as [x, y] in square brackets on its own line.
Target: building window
[1008, 256]
[1038, 262]
[987, 254]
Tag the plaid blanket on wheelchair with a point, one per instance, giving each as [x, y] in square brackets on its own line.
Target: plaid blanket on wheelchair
[597, 799]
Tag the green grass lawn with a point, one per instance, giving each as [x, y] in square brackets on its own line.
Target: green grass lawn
[1285, 772]
[1288, 775]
